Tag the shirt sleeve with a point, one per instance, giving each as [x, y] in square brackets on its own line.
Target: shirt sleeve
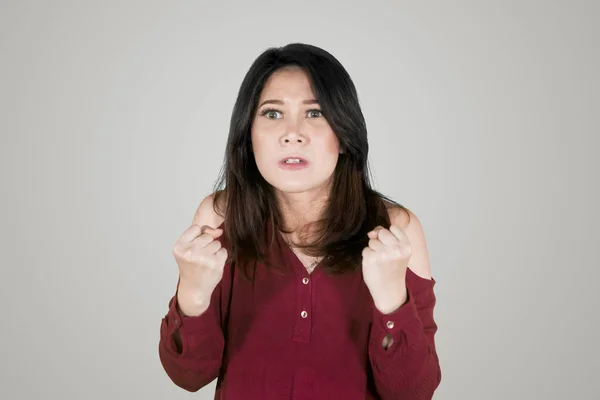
[198, 361]
[409, 368]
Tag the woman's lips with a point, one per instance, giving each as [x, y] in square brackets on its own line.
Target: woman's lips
[296, 163]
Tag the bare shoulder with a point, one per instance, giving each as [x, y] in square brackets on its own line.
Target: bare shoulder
[211, 211]
[398, 216]
[410, 224]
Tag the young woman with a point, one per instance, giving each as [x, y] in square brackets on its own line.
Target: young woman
[297, 279]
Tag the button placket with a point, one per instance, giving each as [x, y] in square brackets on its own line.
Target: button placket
[304, 307]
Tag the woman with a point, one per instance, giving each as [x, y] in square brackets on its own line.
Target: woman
[296, 278]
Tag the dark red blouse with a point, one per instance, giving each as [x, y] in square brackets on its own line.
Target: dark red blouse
[304, 336]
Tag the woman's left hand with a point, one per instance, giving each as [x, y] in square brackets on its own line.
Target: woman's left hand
[384, 265]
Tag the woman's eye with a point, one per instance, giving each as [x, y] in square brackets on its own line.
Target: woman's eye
[315, 114]
[272, 114]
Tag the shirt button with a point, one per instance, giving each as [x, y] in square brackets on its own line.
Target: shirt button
[304, 314]
[390, 324]
[176, 321]
[305, 281]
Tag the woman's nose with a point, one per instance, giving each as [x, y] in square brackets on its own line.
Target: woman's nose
[293, 133]
[291, 137]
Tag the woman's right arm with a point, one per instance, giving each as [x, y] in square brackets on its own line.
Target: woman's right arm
[191, 346]
[191, 335]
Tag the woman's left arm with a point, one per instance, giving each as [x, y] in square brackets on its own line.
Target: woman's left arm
[401, 349]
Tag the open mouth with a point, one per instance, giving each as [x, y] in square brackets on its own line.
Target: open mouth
[293, 162]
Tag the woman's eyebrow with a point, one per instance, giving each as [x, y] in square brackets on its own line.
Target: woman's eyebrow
[280, 102]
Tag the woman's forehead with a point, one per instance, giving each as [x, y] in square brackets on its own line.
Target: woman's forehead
[288, 83]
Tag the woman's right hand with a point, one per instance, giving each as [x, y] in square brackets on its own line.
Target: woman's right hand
[201, 260]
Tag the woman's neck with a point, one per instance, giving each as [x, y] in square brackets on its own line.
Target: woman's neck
[300, 210]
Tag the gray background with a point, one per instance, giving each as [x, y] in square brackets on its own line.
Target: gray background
[483, 119]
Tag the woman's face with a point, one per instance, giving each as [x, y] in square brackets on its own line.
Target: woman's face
[294, 147]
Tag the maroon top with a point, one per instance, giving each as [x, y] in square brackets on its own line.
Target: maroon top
[304, 336]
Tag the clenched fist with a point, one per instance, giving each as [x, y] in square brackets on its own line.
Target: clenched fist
[201, 259]
[384, 265]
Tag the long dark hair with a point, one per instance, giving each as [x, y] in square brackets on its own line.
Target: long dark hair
[250, 207]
